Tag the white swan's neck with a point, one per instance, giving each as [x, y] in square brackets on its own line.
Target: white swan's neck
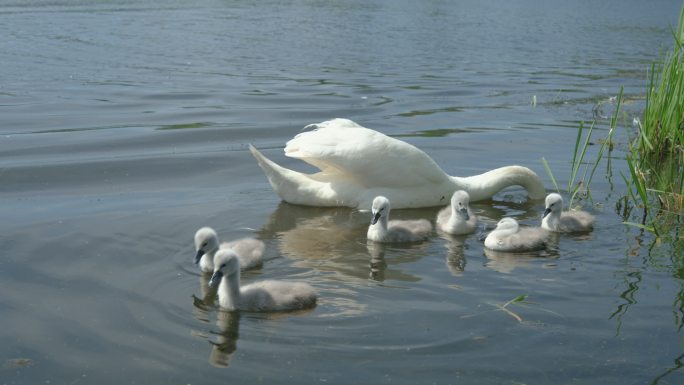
[229, 291]
[484, 186]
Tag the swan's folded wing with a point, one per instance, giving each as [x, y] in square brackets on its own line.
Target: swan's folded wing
[342, 148]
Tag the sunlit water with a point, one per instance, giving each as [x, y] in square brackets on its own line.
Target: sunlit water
[124, 127]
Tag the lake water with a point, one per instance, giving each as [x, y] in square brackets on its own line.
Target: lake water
[124, 128]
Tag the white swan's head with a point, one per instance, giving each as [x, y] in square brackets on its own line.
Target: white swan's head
[225, 263]
[460, 202]
[380, 209]
[507, 224]
[206, 241]
[554, 204]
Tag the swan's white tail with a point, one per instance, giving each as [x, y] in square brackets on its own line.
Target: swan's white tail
[290, 185]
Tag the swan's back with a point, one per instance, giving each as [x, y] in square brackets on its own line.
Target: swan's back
[250, 251]
[340, 147]
[277, 296]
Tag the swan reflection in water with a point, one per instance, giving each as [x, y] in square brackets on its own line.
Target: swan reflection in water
[333, 240]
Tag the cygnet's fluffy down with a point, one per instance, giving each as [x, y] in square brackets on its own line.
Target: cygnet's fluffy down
[398, 231]
[509, 236]
[457, 218]
[263, 296]
[555, 219]
[250, 251]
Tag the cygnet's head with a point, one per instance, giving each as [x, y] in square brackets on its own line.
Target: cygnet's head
[554, 203]
[507, 223]
[459, 202]
[380, 209]
[206, 240]
[225, 263]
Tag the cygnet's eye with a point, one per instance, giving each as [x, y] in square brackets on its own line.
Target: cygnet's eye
[205, 244]
[222, 266]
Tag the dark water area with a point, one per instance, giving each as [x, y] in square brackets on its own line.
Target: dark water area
[124, 127]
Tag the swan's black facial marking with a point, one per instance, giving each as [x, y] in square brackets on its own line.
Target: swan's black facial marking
[216, 278]
[376, 217]
[198, 256]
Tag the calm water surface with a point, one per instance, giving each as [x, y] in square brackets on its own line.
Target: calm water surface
[124, 127]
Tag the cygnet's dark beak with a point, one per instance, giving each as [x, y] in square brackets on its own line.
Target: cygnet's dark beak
[198, 256]
[546, 212]
[464, 213]
[215, 278]
[375, 218]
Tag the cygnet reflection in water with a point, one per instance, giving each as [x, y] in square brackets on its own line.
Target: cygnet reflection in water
[383, 230]
[262, 296]
[571, 221]
[250, 251]
[455, 259]
[382, 270]
[222, 350]
[506, 262]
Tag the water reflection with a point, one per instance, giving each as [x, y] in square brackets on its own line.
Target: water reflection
[224, 347]
[455, 259]
[506, 262]
[334, 240]
[381, 270]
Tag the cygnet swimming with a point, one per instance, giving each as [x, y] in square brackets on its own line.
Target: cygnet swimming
[250, 251]
[358, 164]
[555, 219]
[383, 230]
[509, 236]
[457, 218]
[263, 296]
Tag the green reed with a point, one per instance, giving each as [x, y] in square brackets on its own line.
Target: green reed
[580, 180]
[655, 156]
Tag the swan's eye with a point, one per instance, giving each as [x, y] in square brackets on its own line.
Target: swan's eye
[205, 244]
[222, 266]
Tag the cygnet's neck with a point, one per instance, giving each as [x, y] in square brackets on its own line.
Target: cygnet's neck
[552, 220]
[229, 291]
[457, 217]
[379, 229]
[207, 261]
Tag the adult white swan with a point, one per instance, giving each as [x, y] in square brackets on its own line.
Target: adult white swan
[357, 164]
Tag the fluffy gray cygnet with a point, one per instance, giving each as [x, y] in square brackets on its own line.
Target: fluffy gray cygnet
[509, 236]
[457, 218]
[263, 296]
[250, 251]
[572, 221]
[383, 230]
